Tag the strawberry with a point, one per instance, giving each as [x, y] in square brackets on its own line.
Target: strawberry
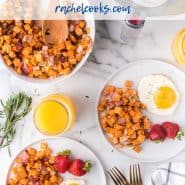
[157, 133]
[172, 130]
[63, 161]
[79, 167]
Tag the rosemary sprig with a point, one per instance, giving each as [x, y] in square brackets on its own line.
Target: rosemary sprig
[13, 110]
[1, 114]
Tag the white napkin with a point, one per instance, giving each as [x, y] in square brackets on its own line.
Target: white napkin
[169, 174]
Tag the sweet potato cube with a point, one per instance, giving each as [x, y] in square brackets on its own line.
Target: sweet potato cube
[137, 149]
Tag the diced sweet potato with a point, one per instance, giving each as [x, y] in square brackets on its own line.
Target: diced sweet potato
[137, 149]
[121, 116]
[128, 84]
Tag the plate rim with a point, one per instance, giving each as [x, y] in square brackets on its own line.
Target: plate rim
[60, 138]
[125, 66]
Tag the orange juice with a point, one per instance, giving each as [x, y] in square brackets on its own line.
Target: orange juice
[54, 115]
[178, 47]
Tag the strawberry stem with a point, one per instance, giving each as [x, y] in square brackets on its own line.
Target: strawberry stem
[157, 141]
[87, 166]
[65, 153]
[180, 134]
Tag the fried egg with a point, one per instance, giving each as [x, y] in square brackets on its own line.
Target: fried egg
[73, 182]
[159, 94]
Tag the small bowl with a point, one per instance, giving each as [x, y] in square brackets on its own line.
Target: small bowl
[91, 24]
[151, 3]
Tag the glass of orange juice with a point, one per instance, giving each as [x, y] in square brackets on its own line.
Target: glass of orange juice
[54, 115]
[178, 47]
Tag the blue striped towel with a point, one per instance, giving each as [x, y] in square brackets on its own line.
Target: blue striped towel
[172, 173]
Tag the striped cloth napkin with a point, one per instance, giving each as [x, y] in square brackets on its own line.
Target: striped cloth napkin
[172, 173]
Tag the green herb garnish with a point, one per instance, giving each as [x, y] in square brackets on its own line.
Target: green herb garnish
[1, 114]
[13, 110]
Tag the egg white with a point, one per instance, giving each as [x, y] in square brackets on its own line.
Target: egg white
[147, 89]
[73, 181]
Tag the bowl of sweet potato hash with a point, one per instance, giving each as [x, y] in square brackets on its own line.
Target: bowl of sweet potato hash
[26, 54]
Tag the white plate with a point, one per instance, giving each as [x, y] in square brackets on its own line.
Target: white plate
[152, 152]
[79, 151]
[150, 3]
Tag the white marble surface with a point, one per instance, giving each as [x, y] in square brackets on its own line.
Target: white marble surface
[154, 42]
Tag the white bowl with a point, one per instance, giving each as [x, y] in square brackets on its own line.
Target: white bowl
[150, 3]
[91, 24]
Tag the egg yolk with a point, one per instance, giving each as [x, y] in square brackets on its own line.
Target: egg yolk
[165, 97]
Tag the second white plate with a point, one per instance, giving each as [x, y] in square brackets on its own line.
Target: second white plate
[152, 152]
[79, 151]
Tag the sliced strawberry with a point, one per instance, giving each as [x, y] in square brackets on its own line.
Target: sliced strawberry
[79, 167]
[63, 161]
[157, 133]
[172, 130]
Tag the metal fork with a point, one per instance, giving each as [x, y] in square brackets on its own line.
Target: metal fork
[117, 176]
[135, 175]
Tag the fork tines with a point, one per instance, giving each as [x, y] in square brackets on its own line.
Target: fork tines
[117, 176]
[135, 175]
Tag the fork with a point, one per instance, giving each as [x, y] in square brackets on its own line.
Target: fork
[135, 175]
[117, 176]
